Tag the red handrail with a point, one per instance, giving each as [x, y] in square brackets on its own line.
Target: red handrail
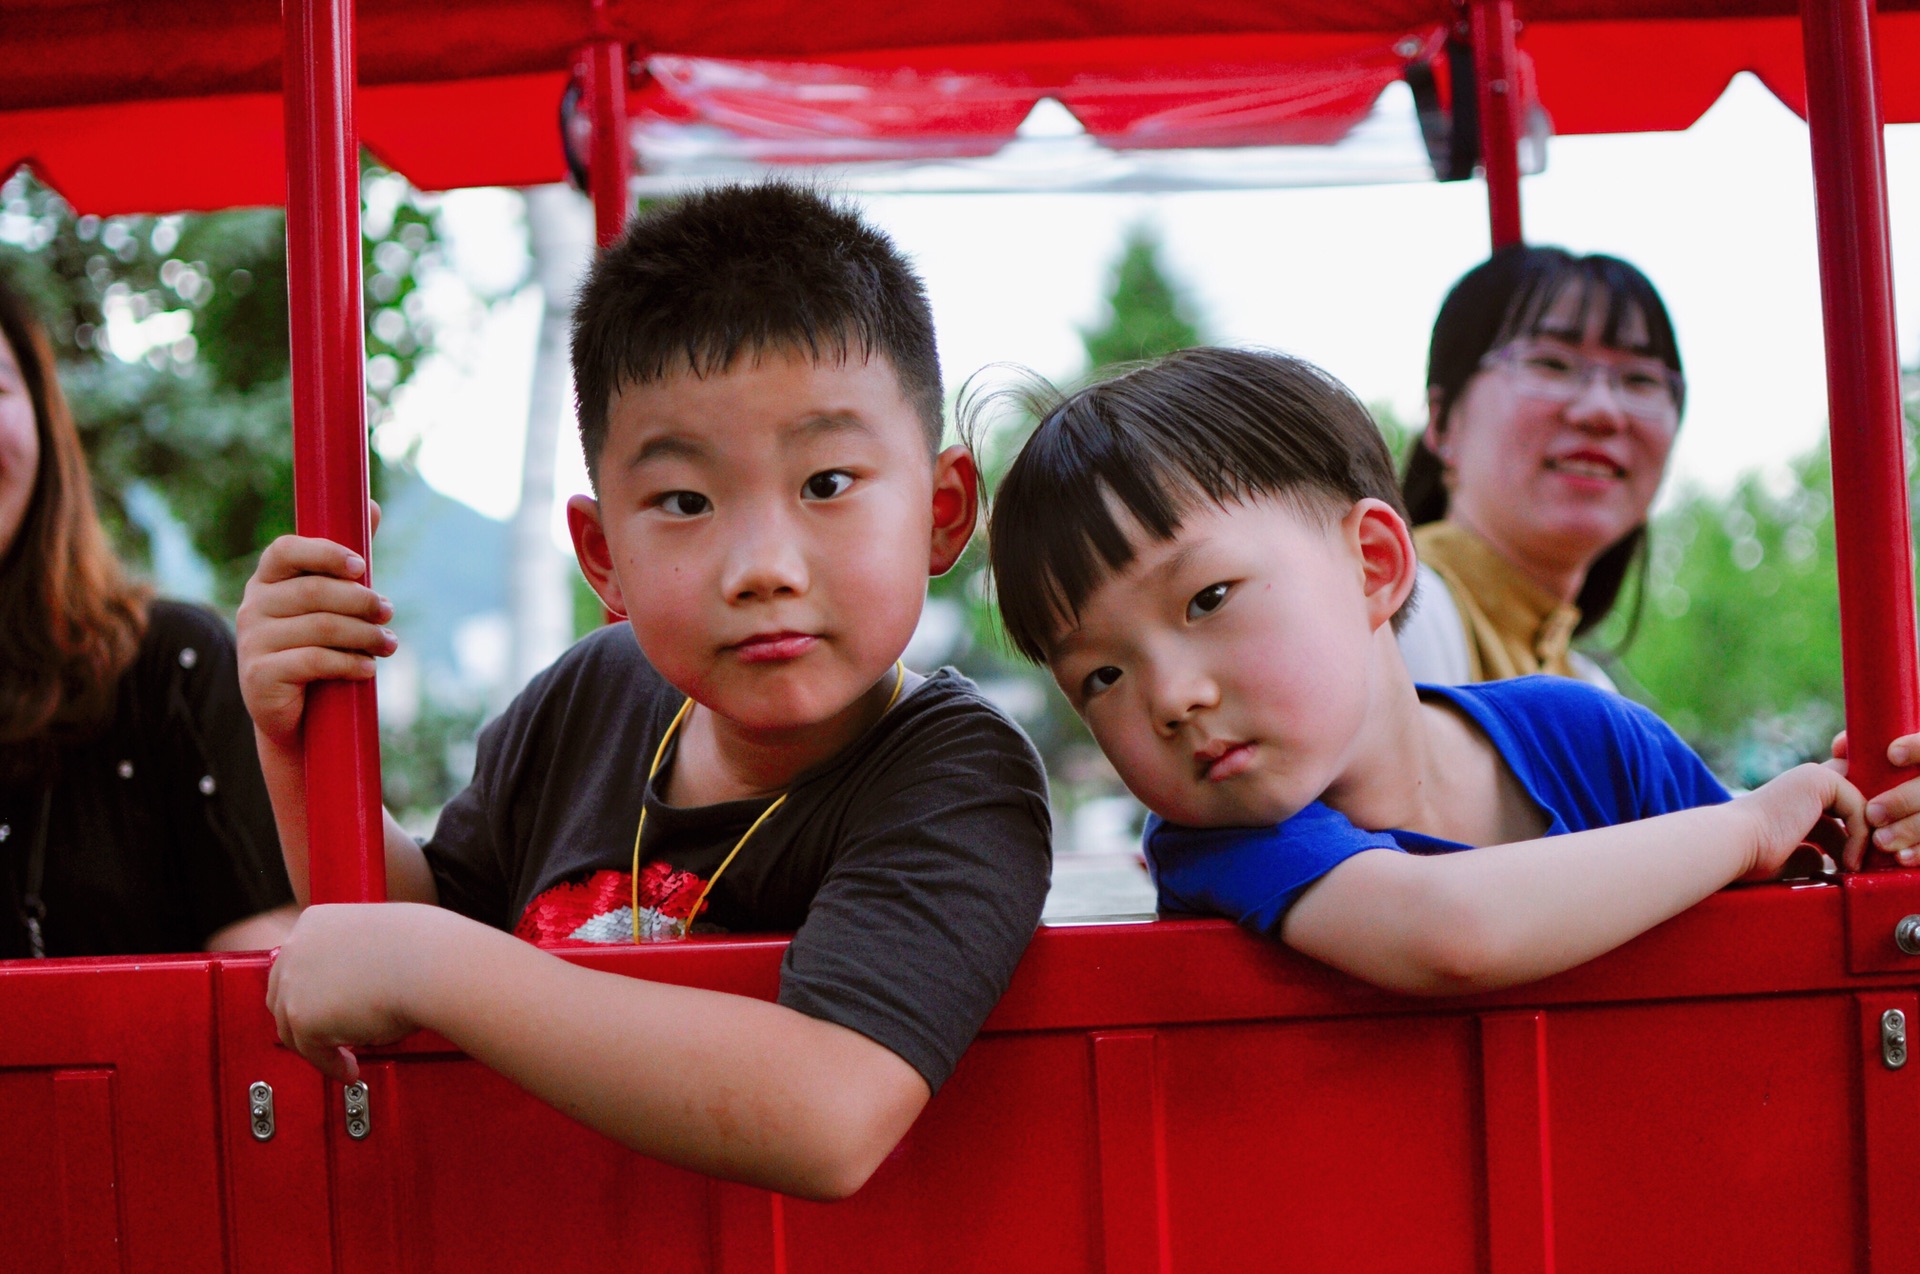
[612, 161]
[1872, 532]
[346, 861]
[1496, 69]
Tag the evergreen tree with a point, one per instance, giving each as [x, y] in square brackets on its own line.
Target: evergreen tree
[1148, 314]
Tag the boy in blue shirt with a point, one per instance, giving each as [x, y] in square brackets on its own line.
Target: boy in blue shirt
[761, 414]
[1209, 554]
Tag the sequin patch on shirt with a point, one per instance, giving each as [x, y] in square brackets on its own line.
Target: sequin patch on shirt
[600, 908]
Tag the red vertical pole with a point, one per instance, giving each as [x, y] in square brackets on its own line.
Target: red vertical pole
[347, 862]
[1873, 535]
[612, 161]
[1496, 63]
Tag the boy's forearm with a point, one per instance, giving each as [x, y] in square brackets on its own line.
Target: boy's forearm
[1508, 914]
[718, 1083]
[282, 764]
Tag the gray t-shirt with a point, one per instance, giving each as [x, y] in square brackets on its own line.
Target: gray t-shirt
[912, 866]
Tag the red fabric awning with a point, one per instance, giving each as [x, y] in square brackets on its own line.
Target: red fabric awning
[172, 104]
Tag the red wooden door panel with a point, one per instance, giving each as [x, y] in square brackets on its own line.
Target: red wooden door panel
[109, 1140]
[1710, 1134]
[1340, 1146]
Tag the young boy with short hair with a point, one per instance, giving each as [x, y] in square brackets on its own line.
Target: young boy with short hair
[1209, 553]
[761, 411]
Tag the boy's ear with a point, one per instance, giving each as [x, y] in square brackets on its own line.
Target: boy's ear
[956, 507]
[591, 548]
[1387, 559]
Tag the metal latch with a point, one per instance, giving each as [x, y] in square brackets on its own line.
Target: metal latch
[1906, 935]
[1893, 1039]
[260, 1110]
[359, 1122]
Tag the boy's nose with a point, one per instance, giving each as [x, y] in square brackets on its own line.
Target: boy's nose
[1180, 697]
[765, 562]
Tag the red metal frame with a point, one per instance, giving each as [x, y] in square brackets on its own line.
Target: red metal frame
[1491, 28]
[348, 862]
[612, 162]
[1173, 1095]
[1873, 534]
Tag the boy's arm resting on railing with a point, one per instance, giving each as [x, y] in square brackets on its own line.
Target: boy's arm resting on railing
[719, 1083]
[1494, 917]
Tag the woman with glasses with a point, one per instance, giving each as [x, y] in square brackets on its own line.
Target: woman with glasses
[1553, 395]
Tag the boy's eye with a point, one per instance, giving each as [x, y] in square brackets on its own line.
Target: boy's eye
[685, 504]
[1099, 679]
[827, 484]
[1206, 601]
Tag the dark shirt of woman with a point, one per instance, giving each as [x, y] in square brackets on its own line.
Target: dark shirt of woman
[157, 831]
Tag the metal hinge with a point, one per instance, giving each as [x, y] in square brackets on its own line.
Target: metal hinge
[1893, 1039]
[260, 1110]
[359, 1117]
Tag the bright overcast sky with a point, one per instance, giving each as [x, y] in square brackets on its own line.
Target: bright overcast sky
[1720, 217]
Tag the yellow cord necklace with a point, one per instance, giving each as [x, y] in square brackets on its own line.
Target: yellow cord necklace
[684, 926]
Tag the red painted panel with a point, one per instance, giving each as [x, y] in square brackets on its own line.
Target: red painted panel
[749, 1232]
[999, 1173]
[486, 1177]
[1890, 1117]
[150, 1023]
[373, 1210]
[1876, 903]
[1339, 1146]
[31, 1232]
[279, 1209]
[89, 1178]
[1707, 1135]
[1133, 1154]
[1514, 1099]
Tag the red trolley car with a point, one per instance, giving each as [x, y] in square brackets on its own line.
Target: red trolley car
[1731, 1090]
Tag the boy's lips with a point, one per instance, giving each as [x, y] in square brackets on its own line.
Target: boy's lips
[1221, 761]
[762, 648]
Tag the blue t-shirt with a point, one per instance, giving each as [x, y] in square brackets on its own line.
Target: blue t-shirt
[1587, 758]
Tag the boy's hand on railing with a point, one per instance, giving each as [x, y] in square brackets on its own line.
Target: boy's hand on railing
[343, 979]
[1785, 809]
[1893, 815]
[305, 618]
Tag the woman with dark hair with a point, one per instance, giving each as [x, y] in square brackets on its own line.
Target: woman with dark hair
[133, 817]
[1554, 391]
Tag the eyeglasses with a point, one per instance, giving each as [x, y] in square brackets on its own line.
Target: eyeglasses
[1643, 387]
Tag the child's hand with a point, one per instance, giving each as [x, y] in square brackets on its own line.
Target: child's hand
[1894, 815]
[1786, 809]
[344, 977]
[305, 618]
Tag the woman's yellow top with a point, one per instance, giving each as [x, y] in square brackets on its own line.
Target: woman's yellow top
[1514, 626]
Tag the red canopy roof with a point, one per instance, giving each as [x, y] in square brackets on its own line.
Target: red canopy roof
[174, 103]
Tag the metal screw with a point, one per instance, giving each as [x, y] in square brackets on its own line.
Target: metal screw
[1906, 935]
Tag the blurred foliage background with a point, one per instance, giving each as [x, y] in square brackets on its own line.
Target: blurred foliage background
[172, 336]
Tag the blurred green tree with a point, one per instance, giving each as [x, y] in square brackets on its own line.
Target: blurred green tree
[171, 333]
[1738, 641]
[1148, 313]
